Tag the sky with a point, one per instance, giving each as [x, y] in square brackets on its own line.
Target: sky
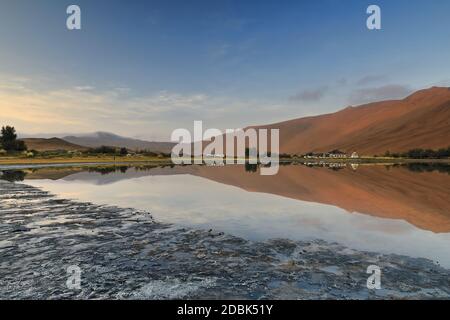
[144, 68]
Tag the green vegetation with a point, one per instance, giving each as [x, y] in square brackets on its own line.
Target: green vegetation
[9, 142]
[103, 150]
[421, 154]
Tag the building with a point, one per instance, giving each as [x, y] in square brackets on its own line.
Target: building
[337, 154]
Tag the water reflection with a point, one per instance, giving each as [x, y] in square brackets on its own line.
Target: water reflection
[395, 209]
[12, 175]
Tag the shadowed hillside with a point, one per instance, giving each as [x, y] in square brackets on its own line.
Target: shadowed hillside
[52, 144]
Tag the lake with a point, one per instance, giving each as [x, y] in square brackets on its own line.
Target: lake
[402, 210]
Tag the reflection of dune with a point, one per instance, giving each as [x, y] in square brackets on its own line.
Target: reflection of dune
[419, 198]
[109, 174]
[397, 193]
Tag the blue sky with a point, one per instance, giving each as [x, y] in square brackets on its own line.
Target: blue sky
[144, 68]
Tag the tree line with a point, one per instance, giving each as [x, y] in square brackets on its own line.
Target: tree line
[419, 153]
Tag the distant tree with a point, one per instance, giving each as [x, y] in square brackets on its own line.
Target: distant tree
[249, 167]
[427, 154]
[443, 153]
[8, 138]
[123, 151]
[104, 150]
[9, 142]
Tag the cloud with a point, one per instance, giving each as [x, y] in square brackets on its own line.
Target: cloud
[152, 115]
[310, 95]
[342, 82]
[387, 92]
[84, 88]
[370, 79]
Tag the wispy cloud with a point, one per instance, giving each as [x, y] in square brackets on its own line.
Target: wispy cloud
[371, 79]
[84, 88]
[372, 94]
[310, 95]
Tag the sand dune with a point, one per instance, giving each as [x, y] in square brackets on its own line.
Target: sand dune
[421, 120]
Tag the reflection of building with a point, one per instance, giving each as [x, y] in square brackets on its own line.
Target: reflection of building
[332, 165]
[354, 155]
[213, 155]
[214, 163]
[331, 154]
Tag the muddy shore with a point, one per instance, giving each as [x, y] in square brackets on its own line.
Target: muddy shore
[125, 254]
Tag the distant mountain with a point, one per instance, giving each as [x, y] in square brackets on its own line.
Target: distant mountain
[421, 120]
[98, 139]
[52, 144]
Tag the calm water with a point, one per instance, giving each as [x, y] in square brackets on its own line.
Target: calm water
[375, 208]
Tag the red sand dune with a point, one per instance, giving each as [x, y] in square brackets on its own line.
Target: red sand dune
[421, 120]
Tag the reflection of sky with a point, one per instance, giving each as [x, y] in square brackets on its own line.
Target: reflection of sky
[200, 203]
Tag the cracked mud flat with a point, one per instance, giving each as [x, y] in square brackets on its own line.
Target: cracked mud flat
[125, 254]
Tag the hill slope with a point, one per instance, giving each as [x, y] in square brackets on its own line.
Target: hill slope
[421, 120]
[99, 139]
[51, 144]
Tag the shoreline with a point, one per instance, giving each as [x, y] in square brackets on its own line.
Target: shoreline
[26, 163]
[125, 254]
